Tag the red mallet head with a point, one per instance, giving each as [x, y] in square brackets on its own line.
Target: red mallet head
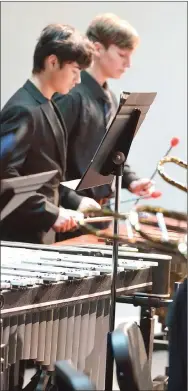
[175, 141]
[156, 194]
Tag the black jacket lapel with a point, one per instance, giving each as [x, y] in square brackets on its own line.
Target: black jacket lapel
[35, 93]
[54, 118]
[59, 130]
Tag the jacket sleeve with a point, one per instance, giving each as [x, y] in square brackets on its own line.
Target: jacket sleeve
[128, 176]
[69, 198]
[37, 212]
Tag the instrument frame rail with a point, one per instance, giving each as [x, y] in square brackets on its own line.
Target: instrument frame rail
[51, 295]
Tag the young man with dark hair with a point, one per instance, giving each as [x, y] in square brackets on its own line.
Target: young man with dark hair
[93, 105]
[60, 54]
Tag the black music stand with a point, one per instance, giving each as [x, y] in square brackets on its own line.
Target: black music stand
[108, 162]
[15, 191]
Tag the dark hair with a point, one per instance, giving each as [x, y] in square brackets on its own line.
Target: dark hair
[109, 29]
[64, 42]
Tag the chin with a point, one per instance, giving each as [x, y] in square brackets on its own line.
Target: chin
[120, 74]
[64, 91]
[116, 75]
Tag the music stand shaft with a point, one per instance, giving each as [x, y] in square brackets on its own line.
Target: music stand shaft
[118, 184]
[109, 354]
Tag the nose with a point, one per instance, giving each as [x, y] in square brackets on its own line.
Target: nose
[127, 62]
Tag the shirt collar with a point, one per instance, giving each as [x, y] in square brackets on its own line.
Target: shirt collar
[94, 86]
[34, 91]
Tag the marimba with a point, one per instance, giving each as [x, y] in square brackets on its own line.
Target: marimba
[55, 304]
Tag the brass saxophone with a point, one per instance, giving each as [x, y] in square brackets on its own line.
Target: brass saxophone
[167, 178]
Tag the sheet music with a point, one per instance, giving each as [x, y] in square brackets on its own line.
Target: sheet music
[71, 184]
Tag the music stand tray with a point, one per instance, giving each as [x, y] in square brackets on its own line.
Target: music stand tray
[23, 188]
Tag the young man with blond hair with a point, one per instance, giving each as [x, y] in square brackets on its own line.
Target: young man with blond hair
[88, 108]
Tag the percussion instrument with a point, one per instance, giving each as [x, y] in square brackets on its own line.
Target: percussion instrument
[55, 304]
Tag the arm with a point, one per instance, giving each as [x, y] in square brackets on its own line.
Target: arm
[128, 176]
[16, 125]
[69, 199]
[143, 187]
[37, 212]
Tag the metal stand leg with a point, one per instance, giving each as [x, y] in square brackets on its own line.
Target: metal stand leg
[147, 329]
[109, 355]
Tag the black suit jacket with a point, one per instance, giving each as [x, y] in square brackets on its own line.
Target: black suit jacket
[42, 148]
[177, 323]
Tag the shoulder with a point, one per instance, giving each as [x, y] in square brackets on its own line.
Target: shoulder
[74, 97]
[20, 104]
[16, 103]
[15, 113]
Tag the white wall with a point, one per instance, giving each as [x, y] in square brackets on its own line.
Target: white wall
[160, 64]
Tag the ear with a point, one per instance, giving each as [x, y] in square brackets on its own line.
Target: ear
[52, 61]
[98, 49]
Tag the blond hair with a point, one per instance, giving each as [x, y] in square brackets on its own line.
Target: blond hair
[109, 29]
